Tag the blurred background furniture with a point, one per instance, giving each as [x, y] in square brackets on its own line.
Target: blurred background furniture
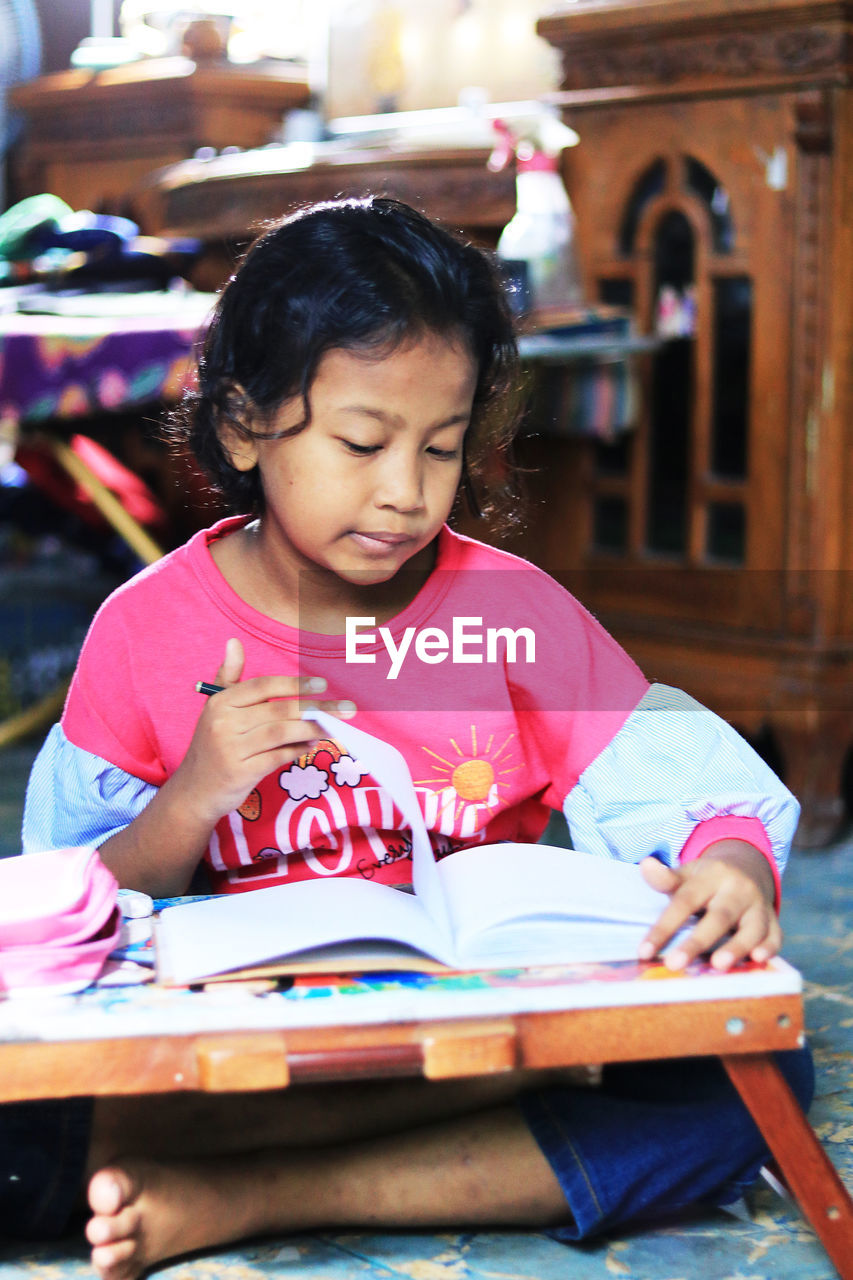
[59, 372]
[92, 135]
[712, 191]
[108, 374]
[224, 199]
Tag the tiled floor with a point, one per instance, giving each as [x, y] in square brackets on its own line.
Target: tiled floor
[775, 1244]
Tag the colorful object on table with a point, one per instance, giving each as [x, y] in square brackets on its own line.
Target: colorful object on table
[84, 232]
[599, 400]
[43, 238]
[27, 220]
[58, 919]
[48, 476]
[584, 375]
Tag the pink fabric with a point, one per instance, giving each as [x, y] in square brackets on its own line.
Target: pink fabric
[492, 747]
[58, 918]
[732, 827]
[70, 968]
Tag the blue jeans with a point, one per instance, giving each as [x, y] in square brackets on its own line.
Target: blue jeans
[657, 1138]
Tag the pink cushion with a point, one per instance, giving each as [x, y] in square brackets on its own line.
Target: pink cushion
[65, 968]
[58, 918]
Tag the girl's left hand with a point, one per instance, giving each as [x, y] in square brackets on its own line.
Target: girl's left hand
[731, 887]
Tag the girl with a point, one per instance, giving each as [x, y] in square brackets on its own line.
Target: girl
[355, 380]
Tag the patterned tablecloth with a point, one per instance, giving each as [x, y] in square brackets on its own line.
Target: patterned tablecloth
[128, 352]
[116, 352]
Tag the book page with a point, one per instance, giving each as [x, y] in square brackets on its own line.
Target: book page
[491, 885]
[538, 904]
[388, 766]
[196, 940]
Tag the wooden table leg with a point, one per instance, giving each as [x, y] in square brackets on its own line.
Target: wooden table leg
[808, 1170]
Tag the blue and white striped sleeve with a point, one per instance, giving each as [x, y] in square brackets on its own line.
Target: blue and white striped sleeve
[672, 767]
[74, 798]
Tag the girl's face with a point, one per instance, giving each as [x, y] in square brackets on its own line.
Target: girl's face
[365, 488]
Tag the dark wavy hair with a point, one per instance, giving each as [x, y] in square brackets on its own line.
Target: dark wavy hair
[361, 275]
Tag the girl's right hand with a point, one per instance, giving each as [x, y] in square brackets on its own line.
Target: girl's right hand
[247, 731]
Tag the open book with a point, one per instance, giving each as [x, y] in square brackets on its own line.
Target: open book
[484, 907]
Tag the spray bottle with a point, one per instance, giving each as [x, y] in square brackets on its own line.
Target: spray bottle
[537, 246]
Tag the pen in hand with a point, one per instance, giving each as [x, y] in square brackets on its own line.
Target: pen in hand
[345, 709]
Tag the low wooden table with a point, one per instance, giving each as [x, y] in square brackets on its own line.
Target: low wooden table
[250, 1036]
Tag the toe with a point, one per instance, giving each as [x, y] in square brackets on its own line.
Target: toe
[116, 1261]
[109, 1190]
[112, 1228]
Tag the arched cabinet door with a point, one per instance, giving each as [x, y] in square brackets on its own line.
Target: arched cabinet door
[691, 227]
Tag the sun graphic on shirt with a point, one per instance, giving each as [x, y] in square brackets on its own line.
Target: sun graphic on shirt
[475, 776]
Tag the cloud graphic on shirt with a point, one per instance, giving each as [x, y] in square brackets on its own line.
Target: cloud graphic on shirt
[304, 783]
[348, 772]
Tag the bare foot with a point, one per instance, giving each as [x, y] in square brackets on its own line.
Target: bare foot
[144, 1212]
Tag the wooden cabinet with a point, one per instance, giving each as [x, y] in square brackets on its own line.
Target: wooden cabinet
[227, 196]
[713, 187]
[224, 200]
[92, 136]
